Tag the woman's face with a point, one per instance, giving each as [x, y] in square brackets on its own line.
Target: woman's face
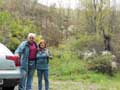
[42, 45]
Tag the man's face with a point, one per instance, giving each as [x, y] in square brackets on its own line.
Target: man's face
[31, 39]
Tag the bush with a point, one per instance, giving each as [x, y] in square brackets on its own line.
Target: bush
[101, 63]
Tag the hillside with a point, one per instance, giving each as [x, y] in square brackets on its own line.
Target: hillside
[84, 42]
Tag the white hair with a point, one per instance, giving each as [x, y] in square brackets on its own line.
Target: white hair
[31, 35]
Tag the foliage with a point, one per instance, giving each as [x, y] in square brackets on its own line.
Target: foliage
[29, 16]
[87, 42]
[101, 63]
[13, 31]
[66, 65]
[5, 17]
[116, 45]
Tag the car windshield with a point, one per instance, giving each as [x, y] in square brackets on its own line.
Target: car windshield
[4, 50]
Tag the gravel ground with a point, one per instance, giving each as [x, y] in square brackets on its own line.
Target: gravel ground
[66, 85]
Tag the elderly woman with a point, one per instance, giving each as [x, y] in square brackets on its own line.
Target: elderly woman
[42, 62]
[27, 51]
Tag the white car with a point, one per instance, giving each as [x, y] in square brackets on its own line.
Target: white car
[9, 69]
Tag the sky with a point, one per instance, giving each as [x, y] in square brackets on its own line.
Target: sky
[65, 3]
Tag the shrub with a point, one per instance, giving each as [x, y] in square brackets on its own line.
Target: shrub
[101, 63]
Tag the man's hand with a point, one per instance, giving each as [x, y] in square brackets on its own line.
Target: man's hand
[17, 55]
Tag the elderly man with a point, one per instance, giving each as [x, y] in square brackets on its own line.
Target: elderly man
[27, 52]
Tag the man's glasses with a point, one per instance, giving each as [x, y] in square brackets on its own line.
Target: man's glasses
[32, 38]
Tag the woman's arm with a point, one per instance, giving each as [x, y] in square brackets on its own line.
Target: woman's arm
[49, 54]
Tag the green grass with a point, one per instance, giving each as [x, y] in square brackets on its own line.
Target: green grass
[76, 71]
[92, 81]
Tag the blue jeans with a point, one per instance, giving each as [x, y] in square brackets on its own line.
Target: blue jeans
[44, 73]
[27, 77]
[22, 85]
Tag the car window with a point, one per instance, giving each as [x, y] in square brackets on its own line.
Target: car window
[4, 50]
